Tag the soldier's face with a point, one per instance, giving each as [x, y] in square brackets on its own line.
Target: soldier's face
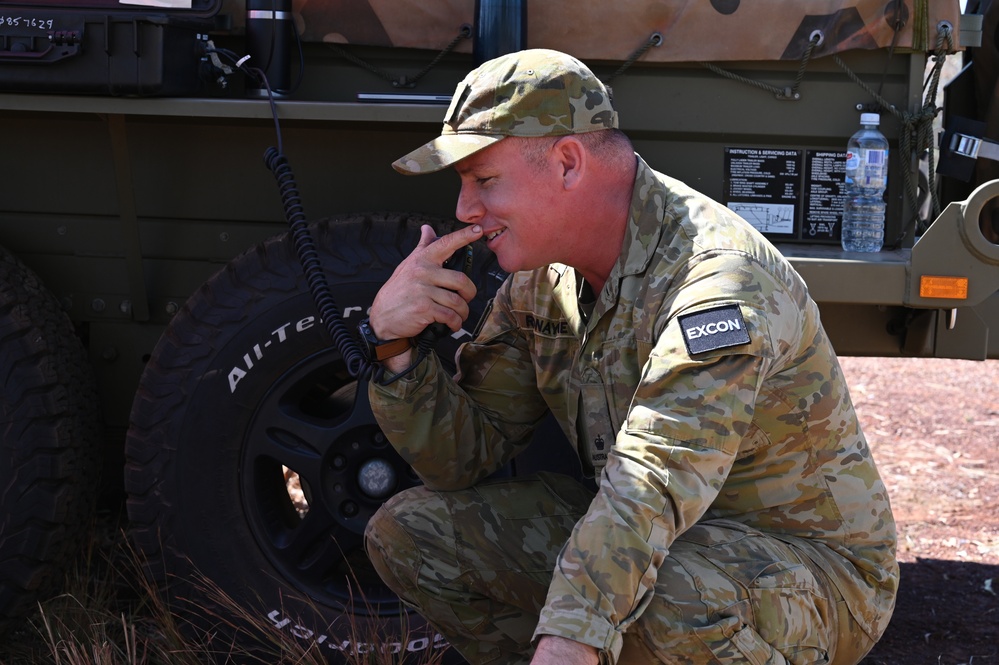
[516, 202]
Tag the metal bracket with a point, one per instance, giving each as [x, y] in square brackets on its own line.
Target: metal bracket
[974, 147]
[961, 144]
[970, 30]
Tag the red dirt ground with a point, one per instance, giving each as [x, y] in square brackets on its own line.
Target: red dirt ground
[933, 426]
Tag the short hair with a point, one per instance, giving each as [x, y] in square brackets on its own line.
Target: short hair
[608, 145]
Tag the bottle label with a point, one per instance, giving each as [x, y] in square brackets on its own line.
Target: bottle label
[874, 169]
[852, 160]
[867, 168]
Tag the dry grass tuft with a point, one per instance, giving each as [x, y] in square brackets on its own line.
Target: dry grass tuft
[111, 614]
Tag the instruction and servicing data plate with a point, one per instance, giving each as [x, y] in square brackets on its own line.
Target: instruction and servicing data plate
[787, 194]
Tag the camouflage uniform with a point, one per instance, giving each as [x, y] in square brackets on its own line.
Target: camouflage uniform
[739, 516]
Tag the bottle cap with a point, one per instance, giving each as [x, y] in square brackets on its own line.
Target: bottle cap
[870, 118]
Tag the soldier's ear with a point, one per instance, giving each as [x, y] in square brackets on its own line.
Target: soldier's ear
[572, 160]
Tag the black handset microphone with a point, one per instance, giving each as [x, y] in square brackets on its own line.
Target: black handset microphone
[460, 260]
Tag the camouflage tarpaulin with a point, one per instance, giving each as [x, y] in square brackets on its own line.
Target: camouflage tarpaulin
[692, 30]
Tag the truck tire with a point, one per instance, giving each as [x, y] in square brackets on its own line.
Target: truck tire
[49, 441]
[244, 390]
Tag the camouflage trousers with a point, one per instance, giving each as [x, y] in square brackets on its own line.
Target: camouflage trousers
[477, 564]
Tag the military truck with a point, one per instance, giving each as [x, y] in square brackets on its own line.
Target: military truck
[177, 302]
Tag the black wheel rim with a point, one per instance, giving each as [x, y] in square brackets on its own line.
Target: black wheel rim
[316, 421]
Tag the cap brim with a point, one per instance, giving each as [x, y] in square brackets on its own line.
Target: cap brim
[442, 152]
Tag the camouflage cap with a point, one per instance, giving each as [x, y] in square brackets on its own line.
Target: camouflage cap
[536, 92]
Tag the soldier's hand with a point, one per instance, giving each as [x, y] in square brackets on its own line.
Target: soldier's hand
[421, 291]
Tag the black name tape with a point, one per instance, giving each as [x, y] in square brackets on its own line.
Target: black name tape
[711, 329]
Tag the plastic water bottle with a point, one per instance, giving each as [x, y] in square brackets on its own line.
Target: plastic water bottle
[866, 179]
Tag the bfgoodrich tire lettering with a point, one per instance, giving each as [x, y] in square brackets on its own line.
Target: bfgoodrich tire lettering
[49, 439]
[243, 386]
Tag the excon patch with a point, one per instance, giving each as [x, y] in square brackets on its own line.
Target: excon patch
[715, 328]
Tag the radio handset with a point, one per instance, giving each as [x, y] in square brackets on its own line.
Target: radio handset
[460, 260]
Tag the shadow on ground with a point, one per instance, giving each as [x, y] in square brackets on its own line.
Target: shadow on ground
[947, 613]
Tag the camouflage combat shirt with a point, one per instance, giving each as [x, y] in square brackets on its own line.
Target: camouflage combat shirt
[701, 386]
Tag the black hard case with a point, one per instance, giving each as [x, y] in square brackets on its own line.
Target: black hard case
[104, 47]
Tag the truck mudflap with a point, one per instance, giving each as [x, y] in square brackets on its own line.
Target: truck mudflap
[103, 47]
